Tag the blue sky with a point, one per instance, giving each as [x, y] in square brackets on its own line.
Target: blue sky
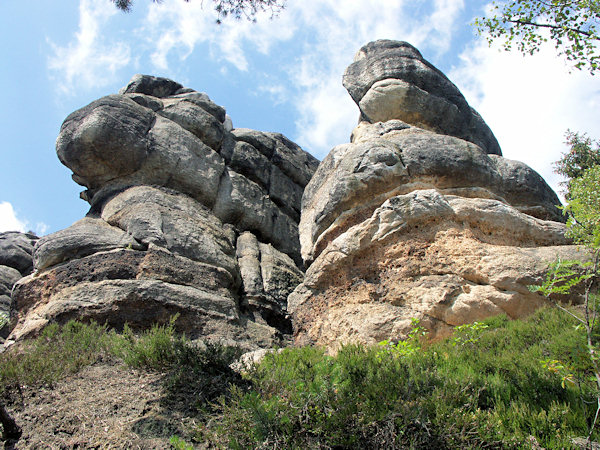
[274, 75]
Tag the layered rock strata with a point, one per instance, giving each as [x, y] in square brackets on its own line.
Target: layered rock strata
[187, 216]
[419, 216]
[16, 261]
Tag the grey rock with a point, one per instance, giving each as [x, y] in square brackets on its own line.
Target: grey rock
[248, 256]
[351, 176]
[203, 101]
[526, 190]
[140, 288]
[155, 86]
[444, 259]
[297, 164]
[391, 80]
[85, 237]
[139, 303]
[228, 123]
[356, 178]
[268, 276]
[245, 159]
[248, 161]
[181, 161]
[285, 193]
[245, 204]
[175, 222]
[105, 140]
[8, 277]
[196, 120]
[16, 250]
[279, 274]
[185, 218]
[147, 101]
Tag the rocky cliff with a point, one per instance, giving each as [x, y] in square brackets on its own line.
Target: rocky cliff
[419, 216]
[187, 216]
[16, 261]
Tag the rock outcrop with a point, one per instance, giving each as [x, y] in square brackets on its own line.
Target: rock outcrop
[391, 80]
[16, 261]
[187, 216]
[419, 216]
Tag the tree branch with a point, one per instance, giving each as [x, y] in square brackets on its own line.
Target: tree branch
[554, 27]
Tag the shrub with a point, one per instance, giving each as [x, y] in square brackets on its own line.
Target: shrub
[490, 392]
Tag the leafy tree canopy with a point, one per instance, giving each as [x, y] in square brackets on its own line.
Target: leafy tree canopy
[572, 27]
[584, 208]
[238, 9]
[583, 154]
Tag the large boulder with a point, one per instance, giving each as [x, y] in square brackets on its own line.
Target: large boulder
[16, 261]
[188, 216]
[418, 216]
[391, 80]
[16, 250]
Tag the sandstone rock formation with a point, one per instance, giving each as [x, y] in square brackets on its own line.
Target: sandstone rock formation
[391, 80]
[419, 216]
[187, 216]
[16, 261]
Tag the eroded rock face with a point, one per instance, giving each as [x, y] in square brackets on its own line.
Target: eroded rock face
[16, 261]
[188, 216]
[419, 216]
[391, 80]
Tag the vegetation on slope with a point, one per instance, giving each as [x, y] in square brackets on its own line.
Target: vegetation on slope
[489, 386]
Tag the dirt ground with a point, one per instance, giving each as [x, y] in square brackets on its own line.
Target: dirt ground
[105, 406]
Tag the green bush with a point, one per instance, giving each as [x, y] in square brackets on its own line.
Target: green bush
[493, 391]
[57, 352]
[485, 387]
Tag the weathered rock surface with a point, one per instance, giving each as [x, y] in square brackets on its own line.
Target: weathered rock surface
[391, 80]
[16, 261]
[419, 216]
[188, 216]
[16, 250]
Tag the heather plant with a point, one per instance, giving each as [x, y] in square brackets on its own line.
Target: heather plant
[489, 391]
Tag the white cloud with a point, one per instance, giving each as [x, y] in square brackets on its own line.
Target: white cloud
[327, 114]
[178, 27]
[90, 60]
[40, 228]
[529, 102]
[9, 220]
[326, 36]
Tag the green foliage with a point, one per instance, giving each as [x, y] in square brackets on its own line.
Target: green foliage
[179, 444]
[153, 349]
[563, 276]
[195, 376]
[468, 333]
[583, 154]
[485, 387]
[584, 208]
[3, 319]
[489, 391]
[408, 346]
[237, 9]
[570, 25]
[576, 278]
[57, 352]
